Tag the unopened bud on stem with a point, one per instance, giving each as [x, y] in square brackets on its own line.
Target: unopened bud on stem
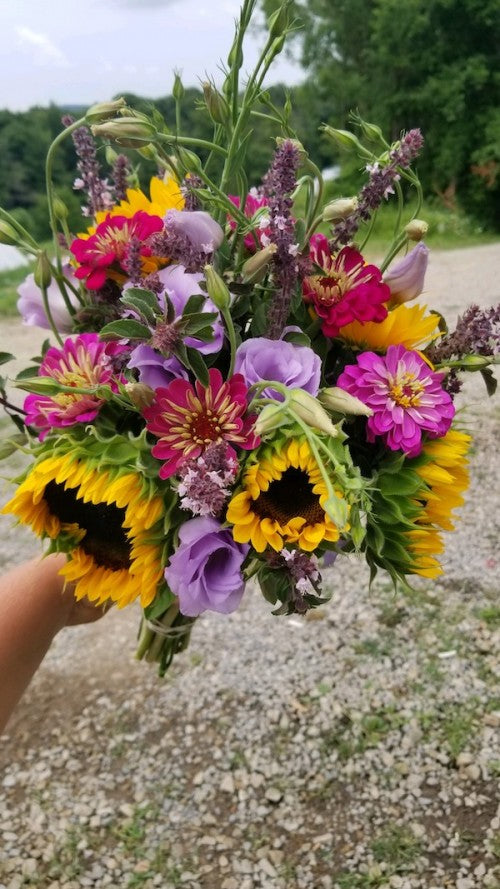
[217, 289]
[105, 110]
[416, 229]
[42, 273]
[340, 209]
[131, 132]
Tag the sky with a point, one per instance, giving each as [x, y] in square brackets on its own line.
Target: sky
[83, 51]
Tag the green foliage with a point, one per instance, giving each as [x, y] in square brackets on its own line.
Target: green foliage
[426, 63]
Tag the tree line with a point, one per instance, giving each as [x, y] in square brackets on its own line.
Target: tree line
[427, 63]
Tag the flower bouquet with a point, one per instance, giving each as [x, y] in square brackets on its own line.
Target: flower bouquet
[232, 390]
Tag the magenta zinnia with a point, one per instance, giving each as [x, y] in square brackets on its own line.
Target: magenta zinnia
[82, 362]
[347, 290]
[405, 395]
[105, 253]
[187, 419]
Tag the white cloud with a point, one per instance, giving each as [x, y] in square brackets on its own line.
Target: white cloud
[47, 51]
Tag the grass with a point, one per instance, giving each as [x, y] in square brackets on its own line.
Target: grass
[349, 739]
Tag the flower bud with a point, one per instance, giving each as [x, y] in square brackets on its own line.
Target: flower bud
[277, 22]
[105, 110]
[42, 273]
[475, 362]
[255, 267]
[189, 160]
[131, 132]
[140, 394]
[309, 409]
[340, 401]
[178, 88]
[372, 132]
[60, 208]
[416, 229]
[271, 417]
[344, 139]
[340, 209]
[217, 289]
[111, 155]
[8, 234]
[216, 104]
[406, 278]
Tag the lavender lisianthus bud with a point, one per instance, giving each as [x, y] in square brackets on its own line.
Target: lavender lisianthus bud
[202, 231]
[406, 278]
[259, 359]
[205, 570]
[30, 303]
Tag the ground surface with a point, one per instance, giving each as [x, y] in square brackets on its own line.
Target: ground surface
[358, 749]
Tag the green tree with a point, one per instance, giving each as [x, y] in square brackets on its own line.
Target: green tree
[427, 63]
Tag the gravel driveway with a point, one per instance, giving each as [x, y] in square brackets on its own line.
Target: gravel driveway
[357, 749]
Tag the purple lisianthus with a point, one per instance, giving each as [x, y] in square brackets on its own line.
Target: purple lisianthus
[179, 285]
[154, 369]
[296, 366]
[406, 277]
[30, 303]
[203, 232]
[205, 570]
[405, 395]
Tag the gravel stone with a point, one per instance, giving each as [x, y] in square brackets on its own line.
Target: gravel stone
[279, 752]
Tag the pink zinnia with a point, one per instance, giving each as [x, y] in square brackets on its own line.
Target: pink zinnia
[187, 419]
[405, 395]
[348, 290]
[253, 203]
[83, 362]
[105, 254]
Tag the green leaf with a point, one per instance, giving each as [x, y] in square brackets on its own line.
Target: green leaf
[126, 329]
[489, 380]
[142, 307]
[9, 445]
[198, 366]
[6, 356]
[160, 604]
[194, 304]
[27, 373]
[197, 321]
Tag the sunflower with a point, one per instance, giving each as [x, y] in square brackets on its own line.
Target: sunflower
[405, 325]
[283, 501]
[445, 476]
[107, 521]
[412, 503]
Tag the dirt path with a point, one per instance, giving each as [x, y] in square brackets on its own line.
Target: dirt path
[355, 751]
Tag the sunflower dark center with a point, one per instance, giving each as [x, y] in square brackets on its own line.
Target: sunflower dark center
[288, 497]
[105, 538]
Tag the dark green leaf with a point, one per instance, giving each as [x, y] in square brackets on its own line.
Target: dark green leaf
[194, 304]
[489, 380]
[126, 329]
[198, 366]
[6, 356]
